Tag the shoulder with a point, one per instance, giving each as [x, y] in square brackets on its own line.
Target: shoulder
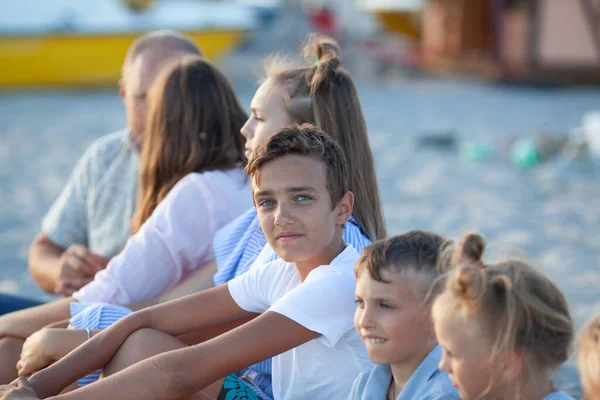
[359, 385]
[354, 235]
[340, 270]
[345, 261]
[213, 179]
[110, 144]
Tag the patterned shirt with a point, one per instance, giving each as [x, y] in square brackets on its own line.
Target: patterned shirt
[96, 206]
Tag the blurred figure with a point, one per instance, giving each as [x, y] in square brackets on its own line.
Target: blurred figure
[91, 220]
[588, 359]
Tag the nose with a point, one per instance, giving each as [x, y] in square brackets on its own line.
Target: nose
[247, 130]
[283, 215]
[365, 318]
[444, 364]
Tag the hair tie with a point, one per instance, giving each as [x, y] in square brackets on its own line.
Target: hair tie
[317, 63]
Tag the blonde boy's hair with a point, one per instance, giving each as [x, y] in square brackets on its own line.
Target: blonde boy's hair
[416, 250]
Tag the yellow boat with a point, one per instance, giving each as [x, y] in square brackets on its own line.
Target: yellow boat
[397, 16]
[82, 43]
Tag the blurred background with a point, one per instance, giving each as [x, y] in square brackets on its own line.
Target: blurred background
[482, 114]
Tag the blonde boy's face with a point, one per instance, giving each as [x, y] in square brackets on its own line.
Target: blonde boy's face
[295, 211]
[392, 319]
[466, 355]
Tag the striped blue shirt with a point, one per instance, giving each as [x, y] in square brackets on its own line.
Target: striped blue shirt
[240, 243]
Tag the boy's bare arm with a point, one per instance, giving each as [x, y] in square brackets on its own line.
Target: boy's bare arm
[181, 373]
[188, 314]
[21, 324]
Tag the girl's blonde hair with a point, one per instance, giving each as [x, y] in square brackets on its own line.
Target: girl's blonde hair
[323, 93]
[518, 308]
[588, 358]
[193, 125]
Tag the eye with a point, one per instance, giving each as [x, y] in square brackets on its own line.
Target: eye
[359, 303]
[385, 305]
[256, 117]
[266, 203]
[303, 198]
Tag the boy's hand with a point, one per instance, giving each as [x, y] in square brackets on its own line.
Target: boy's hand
[77, 268]
[36, 353]
[18, 390]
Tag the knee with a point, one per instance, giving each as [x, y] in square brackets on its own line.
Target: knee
[142, 339]
[10, 347]
[134, 349]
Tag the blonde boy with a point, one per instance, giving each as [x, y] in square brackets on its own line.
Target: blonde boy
[396, 279]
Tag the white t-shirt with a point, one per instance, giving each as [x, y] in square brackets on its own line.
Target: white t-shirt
[325, 367]
[175, 241]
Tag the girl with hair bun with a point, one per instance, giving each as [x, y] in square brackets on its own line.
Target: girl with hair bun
[588, 359]
[319, 92]
[505, 328]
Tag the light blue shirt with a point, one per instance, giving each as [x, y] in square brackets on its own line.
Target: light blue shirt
[558, 396]
[96, 206]
[426, 383]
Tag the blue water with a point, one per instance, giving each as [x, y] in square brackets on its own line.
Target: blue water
[551, 213]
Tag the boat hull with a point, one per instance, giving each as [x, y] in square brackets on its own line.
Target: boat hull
[85, 60]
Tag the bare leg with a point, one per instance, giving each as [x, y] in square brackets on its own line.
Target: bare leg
[146, 343]
[70, 388]
[10, 352]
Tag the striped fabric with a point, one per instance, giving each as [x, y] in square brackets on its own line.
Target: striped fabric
[95, 316]
[241, 242]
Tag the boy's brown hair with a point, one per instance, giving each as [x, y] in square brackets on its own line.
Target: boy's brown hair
[305, 140]
[416, 250]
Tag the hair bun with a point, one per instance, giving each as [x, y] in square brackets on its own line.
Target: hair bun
[469, 250]
[327, 54]
[468, 284]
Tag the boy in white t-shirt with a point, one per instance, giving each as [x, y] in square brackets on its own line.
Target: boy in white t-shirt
[302, 306]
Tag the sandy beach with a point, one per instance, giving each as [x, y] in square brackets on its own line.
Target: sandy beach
[550, 212]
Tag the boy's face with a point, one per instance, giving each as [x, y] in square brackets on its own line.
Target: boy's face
[392, 318]
[295, 211]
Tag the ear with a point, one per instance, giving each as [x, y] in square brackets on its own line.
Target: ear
[344, 208]
[511, 365]
[122, 89]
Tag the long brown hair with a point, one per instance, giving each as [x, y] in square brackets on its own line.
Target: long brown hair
[323, 93]
[193, 125]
